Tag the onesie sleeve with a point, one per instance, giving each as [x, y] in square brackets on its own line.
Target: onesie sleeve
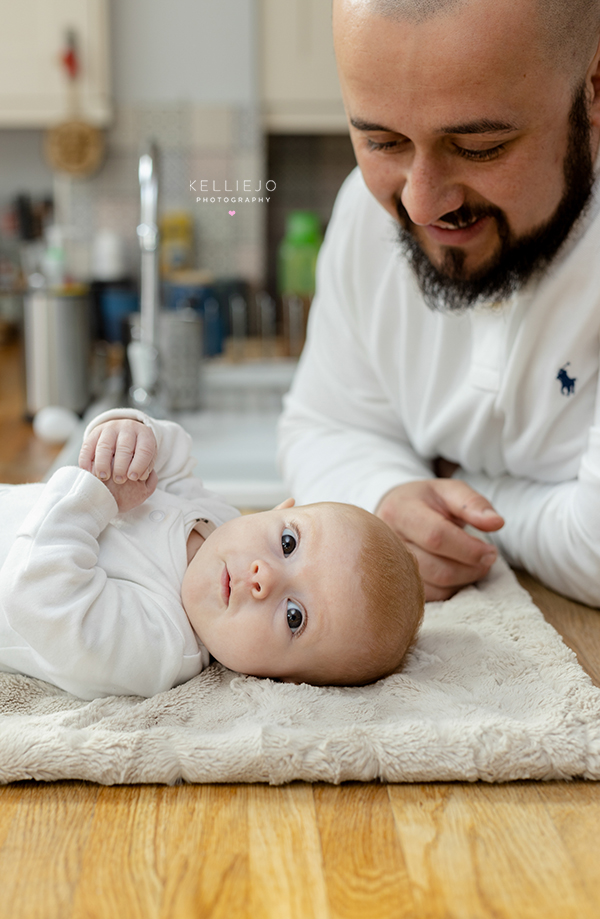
[339, 437]
[79, 624]
[174, 463]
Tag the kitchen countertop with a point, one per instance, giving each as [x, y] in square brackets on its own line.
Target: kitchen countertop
[234, 438]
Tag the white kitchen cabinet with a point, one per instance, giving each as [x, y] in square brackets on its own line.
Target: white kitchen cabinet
[299, 83]
[34, 88]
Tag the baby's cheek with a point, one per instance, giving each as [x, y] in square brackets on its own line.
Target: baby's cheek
[248, 652]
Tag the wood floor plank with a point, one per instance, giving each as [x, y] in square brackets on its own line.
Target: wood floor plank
[119, 875]
[23, 457]
[523, 865]
[12, 380]
[574, 808]
[418, 813]
[210, 851]
[204, 860]
[40, 856]
[486, 851]
[364, 868]
[9, 801]
[286, 867]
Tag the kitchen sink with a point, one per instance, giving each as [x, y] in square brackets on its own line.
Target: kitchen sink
[234, 435]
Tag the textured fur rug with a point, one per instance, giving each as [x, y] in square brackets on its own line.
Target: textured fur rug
[490, 692]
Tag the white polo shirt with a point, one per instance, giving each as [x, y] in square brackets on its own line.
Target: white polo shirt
[509, 391]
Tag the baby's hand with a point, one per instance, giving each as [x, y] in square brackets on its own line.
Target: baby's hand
[123, 448]
[132, 494]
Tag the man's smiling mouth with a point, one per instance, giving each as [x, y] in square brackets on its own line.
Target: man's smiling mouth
[456, 225]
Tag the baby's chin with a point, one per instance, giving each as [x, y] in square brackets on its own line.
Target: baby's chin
[193, 613]
[233, 662]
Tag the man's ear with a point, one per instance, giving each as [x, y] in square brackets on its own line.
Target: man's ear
[289, 502]
[593, 80]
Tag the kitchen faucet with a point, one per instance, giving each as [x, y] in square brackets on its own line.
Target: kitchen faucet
[143, 354]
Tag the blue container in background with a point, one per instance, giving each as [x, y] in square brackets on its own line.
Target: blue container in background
[202, 298]
[115, 304]
[225, 290]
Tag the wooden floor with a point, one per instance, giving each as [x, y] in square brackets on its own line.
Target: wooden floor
[445, 851]
[23, 458]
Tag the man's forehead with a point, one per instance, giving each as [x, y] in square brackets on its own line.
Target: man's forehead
[423, 10]
[480, 65]
[467, 25]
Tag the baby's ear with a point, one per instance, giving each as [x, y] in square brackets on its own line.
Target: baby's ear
[289, 502]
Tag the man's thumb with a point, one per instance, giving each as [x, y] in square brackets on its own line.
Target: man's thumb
[471, 507]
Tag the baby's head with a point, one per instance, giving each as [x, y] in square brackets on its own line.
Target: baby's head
[323, 594]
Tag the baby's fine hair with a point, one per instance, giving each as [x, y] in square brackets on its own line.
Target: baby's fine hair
[393, 596]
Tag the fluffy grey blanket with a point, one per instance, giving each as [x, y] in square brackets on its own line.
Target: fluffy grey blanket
[490, 692]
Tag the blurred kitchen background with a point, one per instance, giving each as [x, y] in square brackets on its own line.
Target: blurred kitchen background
[237, 99]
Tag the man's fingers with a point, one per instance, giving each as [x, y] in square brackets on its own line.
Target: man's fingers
[438, 536]
[468, 506]
[433, 593]
[430, 515]
[448, 575]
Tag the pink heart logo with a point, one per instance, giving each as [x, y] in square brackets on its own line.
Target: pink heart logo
[231, 213]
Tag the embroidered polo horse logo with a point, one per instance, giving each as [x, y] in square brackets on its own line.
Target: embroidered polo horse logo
[567, 383]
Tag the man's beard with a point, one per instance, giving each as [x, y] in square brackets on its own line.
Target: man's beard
[519, 258]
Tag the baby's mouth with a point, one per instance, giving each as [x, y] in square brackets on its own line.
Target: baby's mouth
[225, 585]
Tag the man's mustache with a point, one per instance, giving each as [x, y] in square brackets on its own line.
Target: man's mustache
[463, 216]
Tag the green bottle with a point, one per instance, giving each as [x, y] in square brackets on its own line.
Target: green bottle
[296, 268]
[297, 256]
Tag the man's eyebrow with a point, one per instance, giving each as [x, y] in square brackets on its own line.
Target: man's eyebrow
[367, 126]
[479, 127]
[470, 127]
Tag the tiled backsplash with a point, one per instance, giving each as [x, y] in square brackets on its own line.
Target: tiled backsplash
[215, 144]
[308, 170]
[196, 142]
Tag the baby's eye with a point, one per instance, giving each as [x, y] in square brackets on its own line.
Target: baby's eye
[295, 616]
[289, 541]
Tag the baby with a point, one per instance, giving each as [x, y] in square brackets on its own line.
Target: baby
[125, 576]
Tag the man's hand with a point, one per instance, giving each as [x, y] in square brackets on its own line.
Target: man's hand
[132, 494]
[122, 448]
[430, 515]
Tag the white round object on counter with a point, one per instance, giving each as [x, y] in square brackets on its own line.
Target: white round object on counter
[55, 424]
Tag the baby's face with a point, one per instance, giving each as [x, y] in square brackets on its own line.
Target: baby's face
[275, 593]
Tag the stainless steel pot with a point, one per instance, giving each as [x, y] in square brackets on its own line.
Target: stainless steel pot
[57, 326]
[181, 350]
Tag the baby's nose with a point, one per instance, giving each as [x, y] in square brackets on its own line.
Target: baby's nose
[261, 579]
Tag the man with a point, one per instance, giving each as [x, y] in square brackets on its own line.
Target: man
[451, 371]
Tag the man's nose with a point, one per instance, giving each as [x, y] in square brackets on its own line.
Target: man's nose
[262, 579]
[429, 191]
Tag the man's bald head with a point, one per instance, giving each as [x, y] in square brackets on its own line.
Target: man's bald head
[570, 29]
[475, 124]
